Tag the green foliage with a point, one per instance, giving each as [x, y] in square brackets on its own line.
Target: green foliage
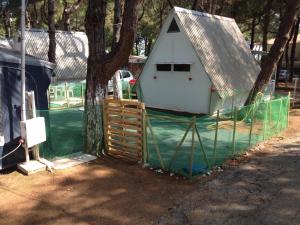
[152, 15]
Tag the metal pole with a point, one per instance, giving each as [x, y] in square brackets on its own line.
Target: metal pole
[23, 84]
[23, 88]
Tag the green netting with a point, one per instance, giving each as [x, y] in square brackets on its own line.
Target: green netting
[64, 129]
[173, 143]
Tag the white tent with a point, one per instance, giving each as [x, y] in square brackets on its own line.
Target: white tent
[71, 52]
[199, 63]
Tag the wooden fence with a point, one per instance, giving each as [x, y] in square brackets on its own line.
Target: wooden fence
[124, 128]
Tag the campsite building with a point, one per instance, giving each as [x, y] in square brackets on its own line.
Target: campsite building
[200, 63]
[38, 76]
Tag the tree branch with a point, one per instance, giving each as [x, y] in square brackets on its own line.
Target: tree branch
[170, 4]
[127, 37]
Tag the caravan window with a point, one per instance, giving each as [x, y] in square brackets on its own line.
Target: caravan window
[182, 67]
[163, 67]
[125, 74]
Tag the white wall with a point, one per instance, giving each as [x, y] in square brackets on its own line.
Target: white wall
[227, 104]
[173, 90]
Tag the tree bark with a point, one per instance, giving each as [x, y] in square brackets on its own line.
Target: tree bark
[101, 65]
[67, 12]
[194, 5]
[28, 21]
[7, 23]
[287, 49]
[269, 64]
[253, 25]
[213, 6]
[43, 12]
[35, 21]
[279, 67]
[170, 4]
[293, 49]
[51, 31]
[266, 23]
[117, 85]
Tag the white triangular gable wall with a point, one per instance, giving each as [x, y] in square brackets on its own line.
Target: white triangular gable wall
[174, 90]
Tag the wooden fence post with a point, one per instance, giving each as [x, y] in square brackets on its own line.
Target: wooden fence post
[216, 137]
[202, 147]
[145, 146]
[234, 130]
[278, 125]
[156, 145]
[192, 147]
[180, 144]
[251, 125]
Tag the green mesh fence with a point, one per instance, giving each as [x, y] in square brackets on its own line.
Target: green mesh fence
[64, 129]
[191, 145]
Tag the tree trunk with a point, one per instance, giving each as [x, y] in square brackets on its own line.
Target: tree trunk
[221, 7]
[170, 4]
[213, 6]
[279, 67]
[266, 23]
[35, 21]
[67, 12]
[293, 50]
[51, 31]
[28, 19]
[194, 5]
[43, 12]
[148, 47]
[102, 65]
[277, 48]
[7, 23]
[253, 25]
[117, 85]
[287, 49]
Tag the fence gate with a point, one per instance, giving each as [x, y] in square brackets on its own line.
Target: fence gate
[124, 128]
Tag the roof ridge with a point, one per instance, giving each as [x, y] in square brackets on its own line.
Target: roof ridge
[56, 31]
[197, 13]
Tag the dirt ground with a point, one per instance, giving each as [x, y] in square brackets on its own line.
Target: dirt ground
[262, 187]
[262, 190]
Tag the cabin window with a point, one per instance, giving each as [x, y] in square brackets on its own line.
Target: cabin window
[173, 27]
[182, 67]
[163, 67]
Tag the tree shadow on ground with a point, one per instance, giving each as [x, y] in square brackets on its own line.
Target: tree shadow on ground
[106, 191]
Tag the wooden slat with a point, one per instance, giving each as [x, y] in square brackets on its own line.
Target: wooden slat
[123, 149]
[123, 121]
[124, 102]
[121, 154]
[125, 132]
[136, 146]
[113, 139]
[132, 127]
[124, 111]
[129, 138]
